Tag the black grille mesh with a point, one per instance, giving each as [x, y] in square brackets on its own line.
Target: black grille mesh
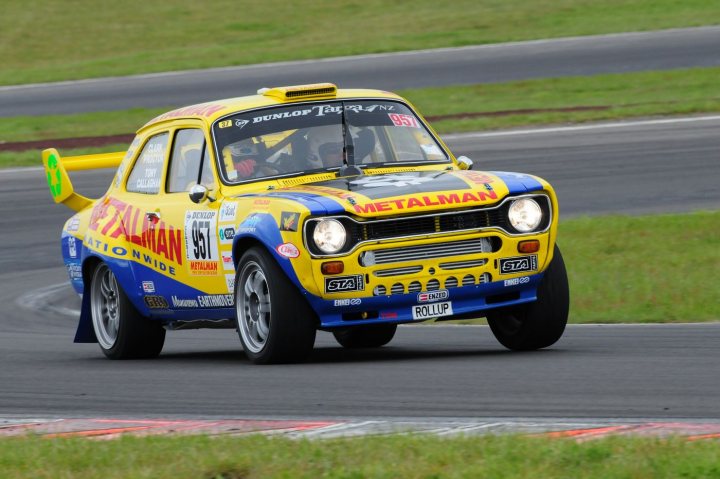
[428, 224]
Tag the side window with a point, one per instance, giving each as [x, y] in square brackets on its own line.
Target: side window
[185, 161]
[147, 171]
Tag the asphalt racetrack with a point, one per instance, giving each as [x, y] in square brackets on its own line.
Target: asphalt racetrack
[617, 53]
[643, 371]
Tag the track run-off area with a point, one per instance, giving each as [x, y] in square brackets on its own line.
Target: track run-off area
[598, 379]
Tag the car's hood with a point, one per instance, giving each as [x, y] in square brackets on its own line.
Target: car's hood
[408, 192]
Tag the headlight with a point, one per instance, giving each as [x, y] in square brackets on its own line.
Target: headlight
[329, 236]
[525, 215]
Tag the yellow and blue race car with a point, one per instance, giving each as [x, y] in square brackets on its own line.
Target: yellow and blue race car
[303, 208]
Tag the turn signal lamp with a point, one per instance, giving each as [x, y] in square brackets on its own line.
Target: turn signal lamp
[332, 267]
[529, 246]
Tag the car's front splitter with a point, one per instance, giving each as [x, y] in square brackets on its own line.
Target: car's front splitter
[453, 303]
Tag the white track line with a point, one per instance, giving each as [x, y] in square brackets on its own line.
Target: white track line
[533, 131]
[594, 126]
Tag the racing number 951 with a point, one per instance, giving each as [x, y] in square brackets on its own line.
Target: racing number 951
[201, 239]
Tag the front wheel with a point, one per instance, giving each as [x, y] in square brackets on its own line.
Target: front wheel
[274, 322]
[121, 331]
[541, 323]
[370, 336]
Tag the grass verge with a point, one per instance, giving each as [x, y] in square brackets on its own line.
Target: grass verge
[618, 96]
[70, 40]
[643, 269]
[377, 457]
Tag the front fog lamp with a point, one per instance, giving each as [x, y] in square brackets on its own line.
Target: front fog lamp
[525, 215]
[329, 236]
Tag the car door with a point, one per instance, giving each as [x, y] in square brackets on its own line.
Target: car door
[190, 163]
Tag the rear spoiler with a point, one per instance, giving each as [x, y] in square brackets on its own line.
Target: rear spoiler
[61, 187]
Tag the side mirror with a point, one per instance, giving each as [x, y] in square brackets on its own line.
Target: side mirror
[465, 163]
[198, 193]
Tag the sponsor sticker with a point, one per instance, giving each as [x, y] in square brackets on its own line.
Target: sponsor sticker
[347, 302]
[230, 282]
[204, 301]
[227, 260]
[201, 242]
[391, 180]
[516, 281]
[431, 296]
[518, 264]
[288, 250]
[289, 221]
[148, 286]
[75, 272]
[226, 234]
[156, 302]
[73, 224]
[228, 211]
[339, 284]
[401, 119]
[432, 310]
[72, 247]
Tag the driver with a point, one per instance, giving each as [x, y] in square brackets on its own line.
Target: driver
[325, 146]
[247, 161]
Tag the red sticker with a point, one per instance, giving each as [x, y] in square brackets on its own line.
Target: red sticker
[400, 119]
[288, 250]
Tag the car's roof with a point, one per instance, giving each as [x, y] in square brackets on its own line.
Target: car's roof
[211, 111]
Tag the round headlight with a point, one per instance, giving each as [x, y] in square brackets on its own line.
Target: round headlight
[525, 215]
[329, 236]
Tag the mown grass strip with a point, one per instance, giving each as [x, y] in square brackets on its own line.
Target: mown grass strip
[365, 457]
[70, 40]
[616, 96]
[677, 92]
[643, 269]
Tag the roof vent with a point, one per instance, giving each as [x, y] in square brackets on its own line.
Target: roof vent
[300, 92]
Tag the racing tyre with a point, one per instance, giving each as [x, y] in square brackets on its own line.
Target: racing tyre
[274, 322]
[120, 330]
[370, 336]
[538, 324]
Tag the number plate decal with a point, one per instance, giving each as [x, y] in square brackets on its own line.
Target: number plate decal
[432, 310]
[201, 243]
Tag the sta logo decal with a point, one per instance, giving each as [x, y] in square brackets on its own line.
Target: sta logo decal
[518, 264]
[390, 180]
[344, 283]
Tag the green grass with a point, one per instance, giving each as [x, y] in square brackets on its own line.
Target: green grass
[628, 95]
[11, 159]
[46, 40]
[643, 269]
[674, 92]
[368, 457]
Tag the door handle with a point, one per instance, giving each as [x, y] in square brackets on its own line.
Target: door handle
[153, 216]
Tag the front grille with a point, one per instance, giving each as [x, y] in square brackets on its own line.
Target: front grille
[443, 223]
[432, 251]
[398, 271]
[473, 263]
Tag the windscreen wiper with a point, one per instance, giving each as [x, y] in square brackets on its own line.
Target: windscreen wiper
[348, 168]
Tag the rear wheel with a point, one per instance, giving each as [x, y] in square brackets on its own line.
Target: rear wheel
[370, 336]
[121, 331]
[274, 322]
[541, 323]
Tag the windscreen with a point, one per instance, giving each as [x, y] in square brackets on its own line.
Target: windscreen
[308, 138]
